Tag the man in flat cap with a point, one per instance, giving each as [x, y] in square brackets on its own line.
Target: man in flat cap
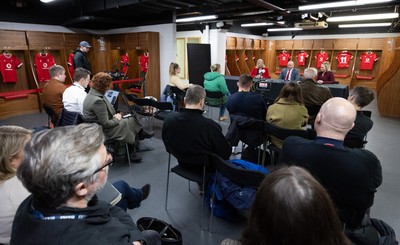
[80, 59]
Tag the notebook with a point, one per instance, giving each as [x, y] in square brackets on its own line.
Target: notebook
[109, 194]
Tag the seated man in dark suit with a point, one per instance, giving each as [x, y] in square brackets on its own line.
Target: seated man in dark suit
[188, 133]
[290, 73]
[246, 103]
[351, 176]
[359, 96]
[314, 95]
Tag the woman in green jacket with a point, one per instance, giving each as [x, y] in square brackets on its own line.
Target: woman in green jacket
[214, 81]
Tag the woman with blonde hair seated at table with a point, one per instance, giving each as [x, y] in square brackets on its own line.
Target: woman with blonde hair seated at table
[260, 70]
[325, 76]
[292, 208]
[288, 111]
[12, 192]
[174, 79]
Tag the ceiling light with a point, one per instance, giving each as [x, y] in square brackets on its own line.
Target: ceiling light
[257, 24]
[285, 29]
[340, 4]
[363, 17]
[46, 1]
[364, 25]
[281, 22]
[197, 18]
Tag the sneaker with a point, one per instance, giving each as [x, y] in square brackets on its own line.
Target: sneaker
[135, 158]
[146, 191]
[145, 135]
[223, 118]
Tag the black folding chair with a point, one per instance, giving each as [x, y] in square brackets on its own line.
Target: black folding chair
[199, 178]
[282, 134]
[214, 96]
[69, 118]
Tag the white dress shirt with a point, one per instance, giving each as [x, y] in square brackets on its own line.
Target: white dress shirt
[73, 98]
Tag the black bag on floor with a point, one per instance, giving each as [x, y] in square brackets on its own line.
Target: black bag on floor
[373, 232]
[169, 234]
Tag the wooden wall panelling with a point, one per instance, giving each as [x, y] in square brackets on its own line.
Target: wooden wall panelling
[248, 43]
[263, 44]
[328, 44]
[257, 44]
[45, 40]
[13, 40]
[153, 73]
[388, 86]
[132, 40]
[239, 43]
[143, 40]
[118, 42]
[99, 56]
[22, 106]
[72, 40]
[231, 43]
[298, 44]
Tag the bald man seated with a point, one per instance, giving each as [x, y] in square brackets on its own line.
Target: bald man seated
[351, 176]
[290, 73]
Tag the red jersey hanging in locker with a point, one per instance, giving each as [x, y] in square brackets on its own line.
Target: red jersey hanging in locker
[70, 64]
[43, 61]
[321, 57]
[301, 58]
[144, 61]
[343, 59]
[367, 60]
[125, 63]
[8, 67]
[284, 58]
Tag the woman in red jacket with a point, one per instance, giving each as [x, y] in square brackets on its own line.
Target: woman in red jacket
[260, 70]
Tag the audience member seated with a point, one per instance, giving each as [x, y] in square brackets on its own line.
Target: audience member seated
[314, 95]
[74, 95]
[64, 173]
[325, 76]
[359, 96]
[13, 140]
[188, 132]
[260, 70]
[174, 79]
[291, 207]
[245, 102]
[351, 176]
[288, 110]
[12, 192]
[96, 108]
[54, 89]
[290, 73]
[214, 81]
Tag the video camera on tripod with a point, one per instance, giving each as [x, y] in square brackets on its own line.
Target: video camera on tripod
[263, 86]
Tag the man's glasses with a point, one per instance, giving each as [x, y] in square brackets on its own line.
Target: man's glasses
[110, 162]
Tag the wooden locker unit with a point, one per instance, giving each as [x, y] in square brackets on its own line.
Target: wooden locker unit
[153, 73]
[143, 43]
[231, 43]
[50, 42]
[250, 61]
[302, 46]
[239, 43]
[282, 46]
[248, 43]
[256, 44]
[231, 62]
[21, 97]
[242, 61]
[364, 77]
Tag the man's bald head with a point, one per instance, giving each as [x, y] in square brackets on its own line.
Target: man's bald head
[335, 118]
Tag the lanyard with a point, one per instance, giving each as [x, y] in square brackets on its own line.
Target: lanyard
[38, 215]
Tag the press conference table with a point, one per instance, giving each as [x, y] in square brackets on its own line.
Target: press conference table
[337, 90]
